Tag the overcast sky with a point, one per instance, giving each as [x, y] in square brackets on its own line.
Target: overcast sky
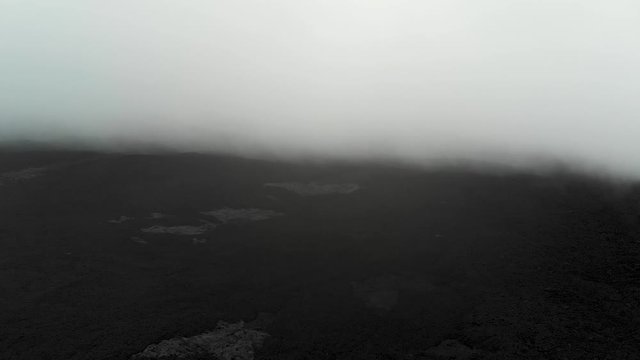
[415, 79]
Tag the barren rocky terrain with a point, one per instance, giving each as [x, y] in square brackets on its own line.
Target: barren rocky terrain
[131, 256]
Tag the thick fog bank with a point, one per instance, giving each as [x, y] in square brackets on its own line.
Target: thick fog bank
[500, 81]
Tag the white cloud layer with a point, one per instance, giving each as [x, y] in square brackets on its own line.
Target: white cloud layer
[496, 79]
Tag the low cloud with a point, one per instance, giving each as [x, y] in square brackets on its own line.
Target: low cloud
[500, 81]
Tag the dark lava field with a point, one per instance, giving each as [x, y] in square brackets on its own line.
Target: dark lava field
[103, 254]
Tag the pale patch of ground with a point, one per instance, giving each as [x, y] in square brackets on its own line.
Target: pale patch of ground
[22, 175]
[382, 293]
[138, 240]
[226, 342]
[316, 189]
[35, 172]
[157, 215]
[450, 349]
[178, 230]
[228, 214]
[120, 220]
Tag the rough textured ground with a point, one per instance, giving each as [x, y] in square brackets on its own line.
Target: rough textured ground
[440, 263]
[225, 342]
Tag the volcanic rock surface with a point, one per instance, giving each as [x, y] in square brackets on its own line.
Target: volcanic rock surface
[410, 263]
[227, 342]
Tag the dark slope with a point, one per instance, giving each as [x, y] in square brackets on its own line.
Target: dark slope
[512, 265]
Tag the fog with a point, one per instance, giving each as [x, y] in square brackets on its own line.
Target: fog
[509, 81]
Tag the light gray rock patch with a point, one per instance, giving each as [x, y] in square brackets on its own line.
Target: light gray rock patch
[226, 342]
[138, 240]
[251, 214]
[120, 220]
[451, 349]
[197, 241]
[157, 215]
[383, 292]
[178, 230]
[316, 189]
[21, 175]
